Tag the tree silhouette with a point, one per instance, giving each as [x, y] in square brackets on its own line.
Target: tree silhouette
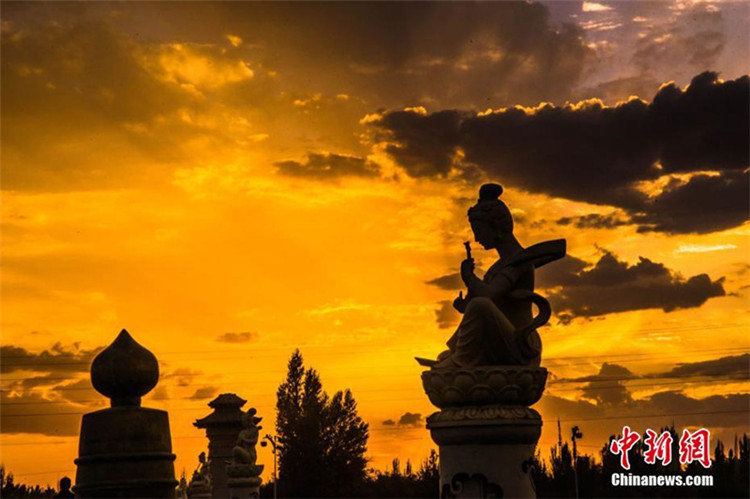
[396, 483]
[323, 439]
[8, 487]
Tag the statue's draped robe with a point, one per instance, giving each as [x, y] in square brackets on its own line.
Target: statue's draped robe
[487, 332]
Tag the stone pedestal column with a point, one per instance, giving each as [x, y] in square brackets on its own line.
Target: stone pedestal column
[199, 492]
[126, 450]
[244, 480]
[485, 451]
[485, 430]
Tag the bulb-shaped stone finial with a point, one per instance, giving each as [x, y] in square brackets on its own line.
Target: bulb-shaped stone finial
[124, 371]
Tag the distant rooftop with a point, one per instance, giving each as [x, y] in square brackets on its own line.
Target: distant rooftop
[227, 410]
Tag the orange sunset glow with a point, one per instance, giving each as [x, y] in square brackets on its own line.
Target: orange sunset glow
[231, 181]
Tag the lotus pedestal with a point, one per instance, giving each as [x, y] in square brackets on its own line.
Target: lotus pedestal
[485, 430]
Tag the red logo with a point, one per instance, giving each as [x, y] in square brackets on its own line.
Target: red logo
[623, 445]
[658, 447]
[695, 447]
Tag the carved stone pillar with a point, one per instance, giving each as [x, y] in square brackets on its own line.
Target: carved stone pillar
[485, 430]
[222, 427]
[244, 480]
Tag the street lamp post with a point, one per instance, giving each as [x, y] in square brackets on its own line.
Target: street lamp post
[576, 434]
[275, 447]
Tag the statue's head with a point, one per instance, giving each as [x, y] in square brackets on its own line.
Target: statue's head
[490, 218]
[202, 457]
[249, 418]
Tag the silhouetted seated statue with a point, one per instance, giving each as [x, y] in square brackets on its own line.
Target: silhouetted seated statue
[244, 452]
[201, 473]
[243, 474]
[498, 327]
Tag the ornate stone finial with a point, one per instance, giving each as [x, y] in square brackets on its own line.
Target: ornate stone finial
[125, 450]
[124, 371]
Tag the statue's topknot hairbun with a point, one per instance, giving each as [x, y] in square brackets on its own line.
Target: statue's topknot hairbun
[490, 192]
[490, 209]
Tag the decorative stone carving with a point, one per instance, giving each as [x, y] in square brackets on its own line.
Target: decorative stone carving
[510, 385]
[126, 450]
[463, 485]
[243, 472]
[483, 413]
[200, 483]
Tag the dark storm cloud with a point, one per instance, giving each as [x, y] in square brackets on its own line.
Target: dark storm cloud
[159, 393]
[70, 87]
[389, 422]
[32, 382]
[448, 282]
[79, 68]
[446, 315]
[184, 376]
[563, 273]
[593, 221]
[613, 286]
[734, 366]
[607, 372]
[79, 392]
[43, 404]
[614, 91]
[598, 154]
[410, 419]
[58, 359]
[47, 417]
[706, 203]
[424, 144]
[577, 288]
[406, 53]
[598, 420]
[328, 166]
[607, 401]
[203, 393]
[243, 337]
[613, 391]
[698, 43]
[402, 53]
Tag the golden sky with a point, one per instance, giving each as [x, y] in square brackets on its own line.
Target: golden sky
[231, 181]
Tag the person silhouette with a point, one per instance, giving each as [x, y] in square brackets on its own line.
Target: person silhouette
[65, 485]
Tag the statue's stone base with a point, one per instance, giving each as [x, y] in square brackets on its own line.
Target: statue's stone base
[244, 480]
[125, 452]
[485, 451]
[199, 491]
[242, 489]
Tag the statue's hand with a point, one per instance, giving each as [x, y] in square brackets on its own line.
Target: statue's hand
[460, 302]
[467, 270]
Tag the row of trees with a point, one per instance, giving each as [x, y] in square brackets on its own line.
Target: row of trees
[9, 487]
[730, 471]
[323, 440]
[324, 443]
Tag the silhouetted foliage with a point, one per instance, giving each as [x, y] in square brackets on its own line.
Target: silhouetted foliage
[730, 471]
[323, 439]
[396, 483]
[8, 487]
